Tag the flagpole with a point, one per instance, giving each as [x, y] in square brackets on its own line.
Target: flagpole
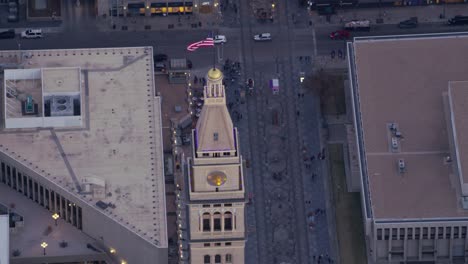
[214, 52]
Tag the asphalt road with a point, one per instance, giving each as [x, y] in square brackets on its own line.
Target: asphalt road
[277, 228]
[325, 45]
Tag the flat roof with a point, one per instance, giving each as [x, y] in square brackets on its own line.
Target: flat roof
[405, 81]
[118, 149]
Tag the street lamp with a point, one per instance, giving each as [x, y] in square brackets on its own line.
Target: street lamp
[55, 216]
[44, 245]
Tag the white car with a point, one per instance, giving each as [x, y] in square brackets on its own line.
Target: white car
[262, 37]
[31, 33]
[218, 39]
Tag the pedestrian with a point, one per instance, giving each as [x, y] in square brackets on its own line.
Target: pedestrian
[319, 155]
[312, 158]
[298, 113]
[332, 54]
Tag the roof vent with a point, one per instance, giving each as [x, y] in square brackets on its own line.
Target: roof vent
[401, 165]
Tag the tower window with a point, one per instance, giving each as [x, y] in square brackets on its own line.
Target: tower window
[215, 136]
[206, 222]
[218, 259]
[228, 258]
[207, 259]
[228, 221]
[217, 221]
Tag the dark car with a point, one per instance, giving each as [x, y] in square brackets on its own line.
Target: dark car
[159, 57]
[410, 23]
[7, 34]
[458, 20]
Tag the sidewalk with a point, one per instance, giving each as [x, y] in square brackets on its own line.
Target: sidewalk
[174, 22]
[392, 15]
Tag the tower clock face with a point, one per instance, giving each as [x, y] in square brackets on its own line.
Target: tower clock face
[216, 178]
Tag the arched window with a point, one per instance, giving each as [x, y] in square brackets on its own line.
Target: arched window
[228, 221]
[207, 259]
[217, 221]
[228, 258]
[218, 259]
[206, 222]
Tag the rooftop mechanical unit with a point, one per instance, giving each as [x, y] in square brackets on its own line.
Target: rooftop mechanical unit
[61, 106]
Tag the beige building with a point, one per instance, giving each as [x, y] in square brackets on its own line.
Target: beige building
[214, 220]
[410, 112]
[80, 137]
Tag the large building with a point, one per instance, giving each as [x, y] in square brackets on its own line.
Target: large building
[213, 187]
[80, 139]
[410, 97]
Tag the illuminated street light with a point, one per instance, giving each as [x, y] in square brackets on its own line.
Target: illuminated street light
[272, 5]
[301, 79]
[44, 245]
[112, 250]
[55, 216]
[123, 262]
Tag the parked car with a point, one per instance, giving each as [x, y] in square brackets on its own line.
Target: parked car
[458, 20]
[410, 23]
[357, 25]
[159, 57]
[7, 34]
[340, 34]
[32, 33]
[12, 18]
[262, 37]
[218, 39]
[160, 67]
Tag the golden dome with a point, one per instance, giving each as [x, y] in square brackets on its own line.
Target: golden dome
[215, 74]
[216, 178]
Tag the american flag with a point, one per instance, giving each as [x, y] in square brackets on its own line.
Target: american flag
[208, 42]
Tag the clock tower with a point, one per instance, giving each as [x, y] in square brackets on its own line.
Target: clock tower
[215, 183]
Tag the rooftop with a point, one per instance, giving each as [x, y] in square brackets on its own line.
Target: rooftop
[116, 155]
[400, 84]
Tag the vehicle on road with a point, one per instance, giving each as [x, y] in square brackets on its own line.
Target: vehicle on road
[262, 37]
[159, 57]
[160, 67]
[340, 34]
[31, 33]
[250, 85]
[7, 34]
[219, 39]
[458, 20]
[274, 86]
[409, 23]
[357, 25]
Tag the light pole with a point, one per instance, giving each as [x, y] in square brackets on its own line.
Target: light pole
[44, 245]
[55, 217]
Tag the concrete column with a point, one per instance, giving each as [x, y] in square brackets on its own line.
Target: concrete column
[34, 190]
[211, 222]
[16, 180]
[200, 221]
[419, 243]
[405, 244]
[66, 211]
[450, 243]
[389, 256]
[26, 186]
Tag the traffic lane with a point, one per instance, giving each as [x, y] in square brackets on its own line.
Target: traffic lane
[172, 43]
[325, 45]
[94, 39]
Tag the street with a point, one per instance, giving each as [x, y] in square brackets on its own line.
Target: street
[290, 219]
